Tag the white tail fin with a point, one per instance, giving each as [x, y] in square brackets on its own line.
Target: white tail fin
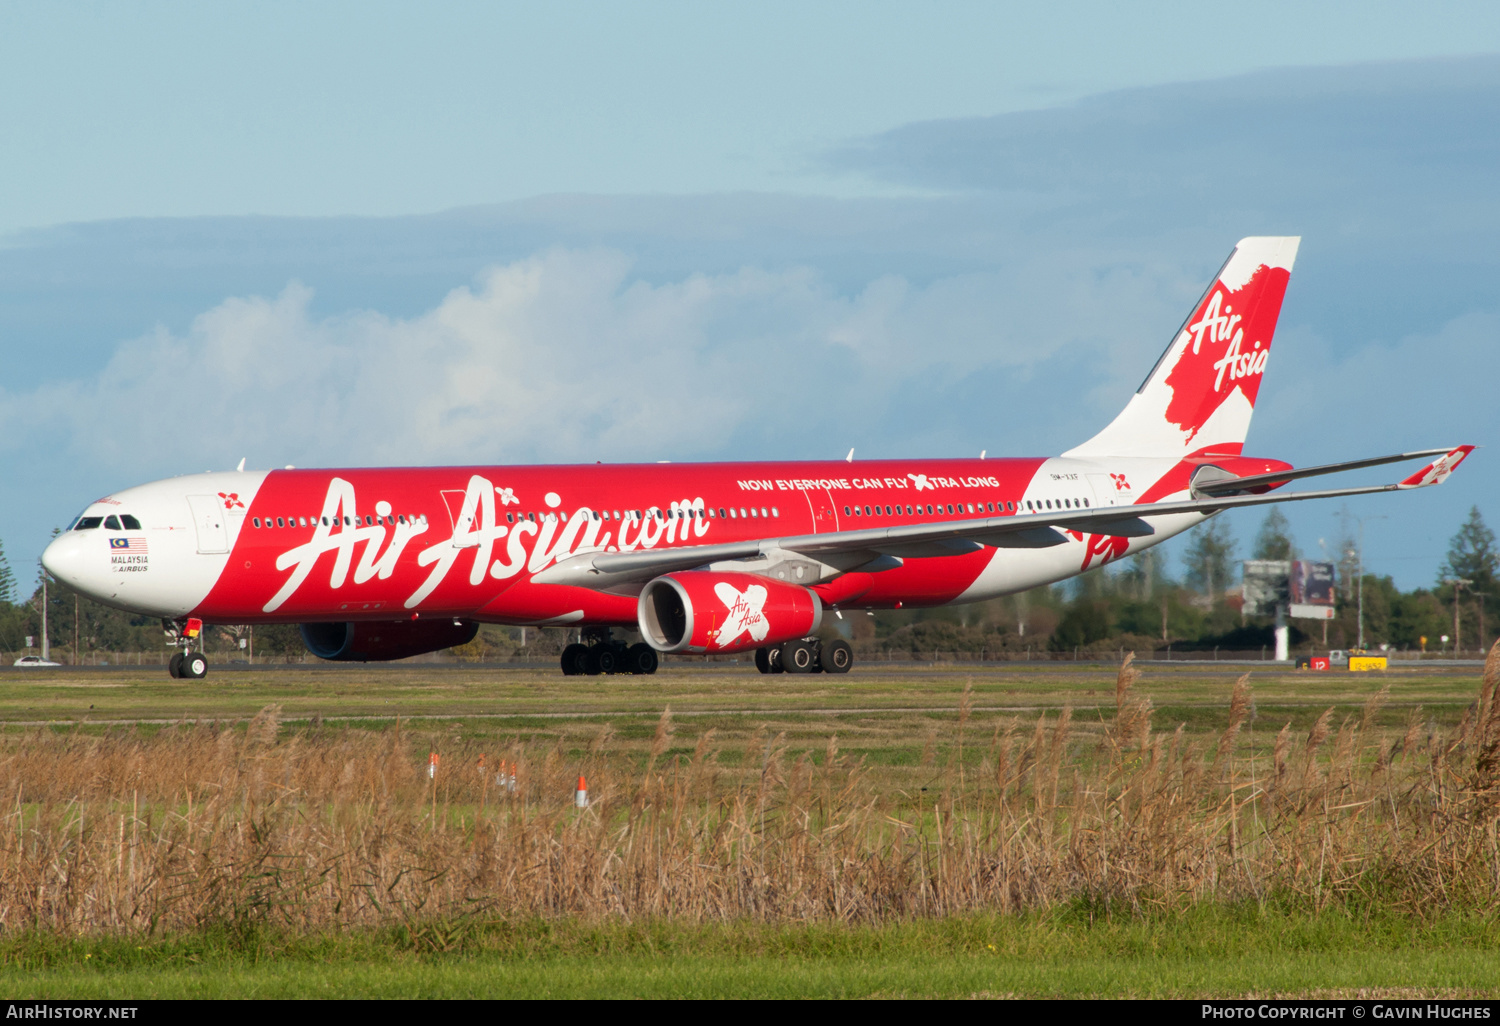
[1201, 393]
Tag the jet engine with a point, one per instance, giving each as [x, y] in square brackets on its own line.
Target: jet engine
[378, 642]
[702, 611]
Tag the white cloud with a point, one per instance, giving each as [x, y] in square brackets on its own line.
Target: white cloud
[565, 356]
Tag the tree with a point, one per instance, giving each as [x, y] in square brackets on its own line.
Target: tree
[1472, 555]
[1086, 621]
[1209, 557]
[7, 580]
[1274, 541]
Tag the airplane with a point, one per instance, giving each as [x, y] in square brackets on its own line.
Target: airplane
[387, 563]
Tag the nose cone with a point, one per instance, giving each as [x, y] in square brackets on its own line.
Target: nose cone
[70, 561]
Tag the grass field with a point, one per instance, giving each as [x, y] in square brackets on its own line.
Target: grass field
[1074, 951]
[1047, 829]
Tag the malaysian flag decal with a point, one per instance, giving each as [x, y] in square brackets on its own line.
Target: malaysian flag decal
[128, 545]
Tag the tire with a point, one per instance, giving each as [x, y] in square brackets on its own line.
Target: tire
[572, 659]
[174, 665]
[798, 657]
[773, 659]
[641, 659]
[837, 656]
[194, 666]
[763, 660]
[607, 659]
[590, 661]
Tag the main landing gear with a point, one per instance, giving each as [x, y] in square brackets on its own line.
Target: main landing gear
[805, 655]
[187, 664]
[603, 654]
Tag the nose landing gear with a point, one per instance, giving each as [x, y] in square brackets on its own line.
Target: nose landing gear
[603, 655]
[187, 664]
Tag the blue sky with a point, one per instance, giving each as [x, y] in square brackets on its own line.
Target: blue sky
[354, 234]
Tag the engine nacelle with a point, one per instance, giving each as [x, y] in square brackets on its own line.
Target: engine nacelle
[378, 642]
[700, 611]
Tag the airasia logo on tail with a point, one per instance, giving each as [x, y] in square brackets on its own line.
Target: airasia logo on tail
[1228, 342]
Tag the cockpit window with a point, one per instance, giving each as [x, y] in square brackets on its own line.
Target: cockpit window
[130, 522]
[88, 523]
[112, 522]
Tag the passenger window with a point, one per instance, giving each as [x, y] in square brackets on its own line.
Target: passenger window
[510, 518]
[950, 508]
[846, 512]
[1085, 503]
[112, 522]
[280, 522]
[775, 512]
[255, 521]
[867, 511]
[754, 512]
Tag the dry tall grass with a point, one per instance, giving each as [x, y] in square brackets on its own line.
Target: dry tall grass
[319, 829]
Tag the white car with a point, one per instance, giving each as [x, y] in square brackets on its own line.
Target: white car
[35, 661]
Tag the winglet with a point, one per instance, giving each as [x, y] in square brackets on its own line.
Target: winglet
[1438, 470]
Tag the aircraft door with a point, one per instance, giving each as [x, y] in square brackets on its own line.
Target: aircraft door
[820, 506]
[209, 522]
[1111, 489]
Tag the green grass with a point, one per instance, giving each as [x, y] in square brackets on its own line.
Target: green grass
[1074, 952]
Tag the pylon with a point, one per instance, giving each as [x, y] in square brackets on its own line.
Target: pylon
[581, 796]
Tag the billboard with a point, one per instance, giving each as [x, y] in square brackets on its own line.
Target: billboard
[1267, 583]
[1311, 590]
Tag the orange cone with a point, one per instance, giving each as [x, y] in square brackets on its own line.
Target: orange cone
[581, 796]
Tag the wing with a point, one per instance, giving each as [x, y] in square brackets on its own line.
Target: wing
[884, 547]
[1230, 485]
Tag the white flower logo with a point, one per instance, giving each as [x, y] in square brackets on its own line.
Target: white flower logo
[922, 482]
[507, 496]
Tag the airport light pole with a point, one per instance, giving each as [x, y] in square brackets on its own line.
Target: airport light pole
[1458, 585]
[1361, 580]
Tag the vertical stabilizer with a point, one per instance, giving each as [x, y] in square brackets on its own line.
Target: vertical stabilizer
[1201, 393]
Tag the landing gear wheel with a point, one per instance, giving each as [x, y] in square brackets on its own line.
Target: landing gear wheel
[641, 659]
[837, 656]
[572, 660]
[193, 666]
[174, 665]
[605, 658]
[798, 657]
[590, 662]
[763, 660]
